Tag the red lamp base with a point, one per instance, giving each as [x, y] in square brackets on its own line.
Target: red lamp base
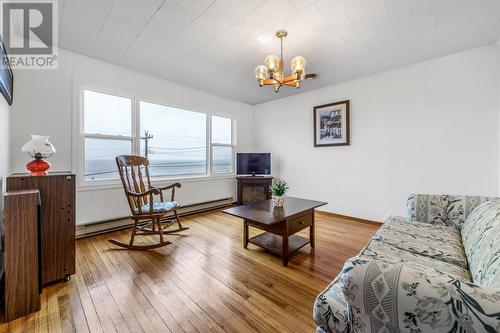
[38, 167]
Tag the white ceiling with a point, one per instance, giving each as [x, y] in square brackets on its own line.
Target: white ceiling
[214, 45]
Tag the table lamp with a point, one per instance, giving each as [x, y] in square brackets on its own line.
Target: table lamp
[38, 148]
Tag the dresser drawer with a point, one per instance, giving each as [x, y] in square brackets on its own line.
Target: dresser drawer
[299, 223]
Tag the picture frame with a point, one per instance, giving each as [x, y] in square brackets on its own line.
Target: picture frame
[331, 124]
[6, 75]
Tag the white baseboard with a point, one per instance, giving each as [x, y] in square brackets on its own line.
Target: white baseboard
[125, 222]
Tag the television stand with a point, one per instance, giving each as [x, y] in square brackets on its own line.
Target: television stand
[253, 188]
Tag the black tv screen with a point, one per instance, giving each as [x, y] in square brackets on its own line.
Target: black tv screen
[253, 163]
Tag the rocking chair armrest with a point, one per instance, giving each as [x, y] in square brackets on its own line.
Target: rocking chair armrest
[169, 186]
[152, 190]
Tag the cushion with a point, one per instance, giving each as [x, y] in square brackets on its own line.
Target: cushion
[481, 238]
[397, 298]
[159, 207]
[330, 309]
[399, 240]
[434, 241]
[450, 210]
[427, 265]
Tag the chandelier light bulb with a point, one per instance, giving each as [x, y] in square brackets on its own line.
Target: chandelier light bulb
[272, 63]
[261, 73]
[298, 65]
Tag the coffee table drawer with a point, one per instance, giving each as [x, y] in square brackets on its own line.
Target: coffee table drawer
[300, 223]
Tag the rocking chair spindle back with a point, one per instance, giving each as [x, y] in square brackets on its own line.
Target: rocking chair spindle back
[157, 214]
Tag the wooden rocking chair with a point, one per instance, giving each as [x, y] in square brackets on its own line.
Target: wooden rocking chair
[142, 204]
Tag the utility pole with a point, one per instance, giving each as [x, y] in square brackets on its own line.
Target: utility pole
[146, 139]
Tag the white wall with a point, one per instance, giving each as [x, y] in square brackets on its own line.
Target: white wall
[44, 105]
[4, 147]
[427, 128]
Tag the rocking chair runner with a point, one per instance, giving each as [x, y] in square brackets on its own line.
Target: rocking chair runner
[141, 197]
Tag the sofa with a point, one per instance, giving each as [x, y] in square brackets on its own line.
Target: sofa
[435, 270]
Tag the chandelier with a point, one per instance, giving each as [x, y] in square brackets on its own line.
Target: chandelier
[272, 72]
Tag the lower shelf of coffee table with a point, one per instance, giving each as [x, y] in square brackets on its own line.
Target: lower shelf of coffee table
[273, 243]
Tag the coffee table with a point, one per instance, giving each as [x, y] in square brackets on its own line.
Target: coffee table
[279, 223]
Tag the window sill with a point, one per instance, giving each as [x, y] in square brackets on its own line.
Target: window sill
[116, 184]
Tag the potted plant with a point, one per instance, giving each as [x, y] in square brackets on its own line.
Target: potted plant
[278, 189]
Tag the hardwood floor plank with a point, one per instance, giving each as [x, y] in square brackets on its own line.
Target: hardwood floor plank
[259, 291]
[53, 308]
[72, 308]
[125, 289]
[94, 285]
[205, 281]
[92, 319]
[189, 281]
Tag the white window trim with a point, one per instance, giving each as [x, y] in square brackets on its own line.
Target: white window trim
[78, 139]
[233, 154]
[215, 144]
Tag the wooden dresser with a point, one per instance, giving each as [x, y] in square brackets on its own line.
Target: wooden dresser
[57, 196]
[22, 285]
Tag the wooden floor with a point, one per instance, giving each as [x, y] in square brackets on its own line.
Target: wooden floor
[204, 282]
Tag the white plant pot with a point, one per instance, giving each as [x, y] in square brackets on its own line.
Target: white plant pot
[278, 201]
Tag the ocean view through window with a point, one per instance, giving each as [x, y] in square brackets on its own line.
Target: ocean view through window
[222, 145]
[179, 140]
[107, 127]
[176, 141]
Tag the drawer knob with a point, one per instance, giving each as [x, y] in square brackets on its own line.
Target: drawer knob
[301, 222]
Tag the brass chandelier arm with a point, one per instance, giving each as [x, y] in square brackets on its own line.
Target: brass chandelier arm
[289, 78]
[289, 81]
[293, 83]
[270, 82]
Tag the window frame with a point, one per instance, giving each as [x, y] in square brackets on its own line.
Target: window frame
[78, 145]
[231, 145]
[207, 139]
[132, 138]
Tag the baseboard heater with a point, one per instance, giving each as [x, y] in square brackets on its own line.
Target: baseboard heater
[102, 227]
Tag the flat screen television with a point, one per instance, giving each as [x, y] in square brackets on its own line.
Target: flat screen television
[253, 164]
[6, 76]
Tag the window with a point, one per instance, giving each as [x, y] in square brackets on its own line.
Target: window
[107, 133]
[177, 142]
[222, 145]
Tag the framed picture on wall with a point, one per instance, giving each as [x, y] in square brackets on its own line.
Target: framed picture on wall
[6, 75]
[331, 124]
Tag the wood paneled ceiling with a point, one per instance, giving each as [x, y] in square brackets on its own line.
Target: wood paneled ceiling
[214, 45]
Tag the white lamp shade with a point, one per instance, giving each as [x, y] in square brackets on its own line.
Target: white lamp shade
[39, 144]
[272, 63]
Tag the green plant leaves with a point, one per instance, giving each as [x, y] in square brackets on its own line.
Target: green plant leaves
[279, 187]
